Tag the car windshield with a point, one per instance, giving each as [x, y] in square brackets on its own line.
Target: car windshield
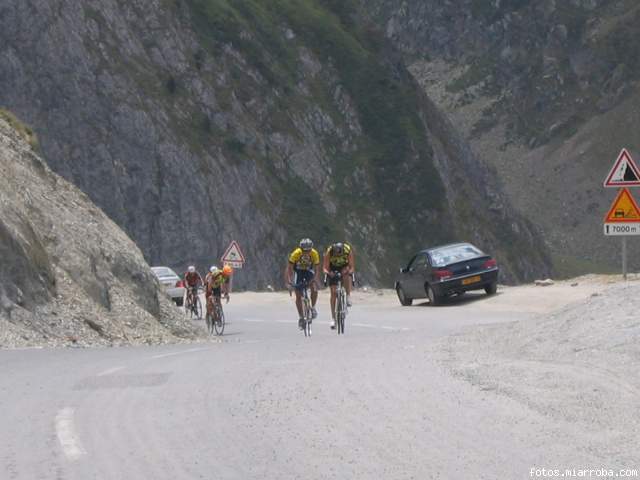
[453, 254]
[163, 272]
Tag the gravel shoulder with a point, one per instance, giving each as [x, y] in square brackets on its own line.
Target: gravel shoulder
[575, 362]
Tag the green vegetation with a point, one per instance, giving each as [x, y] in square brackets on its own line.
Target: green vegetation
[24, 130]
[385, 97]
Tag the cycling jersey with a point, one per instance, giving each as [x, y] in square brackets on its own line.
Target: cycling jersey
[215, 280]
[302, 260]
[192, 279]
[339, 261]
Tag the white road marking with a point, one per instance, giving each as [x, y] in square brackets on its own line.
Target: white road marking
[364, 325]
[172, 354]
[254, 320]
[67, 435]
[110, 371]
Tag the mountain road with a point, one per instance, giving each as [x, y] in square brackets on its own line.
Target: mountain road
[264, 402]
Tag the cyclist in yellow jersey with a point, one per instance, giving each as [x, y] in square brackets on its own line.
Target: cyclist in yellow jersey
[216, 282]
[304, 264]
[339, 257]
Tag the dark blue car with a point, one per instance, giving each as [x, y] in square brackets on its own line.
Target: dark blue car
[436, 273]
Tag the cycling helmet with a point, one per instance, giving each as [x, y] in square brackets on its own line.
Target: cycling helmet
[227, 270]
[337, 248]
[213, 269]
[306, 244]
[191, 269]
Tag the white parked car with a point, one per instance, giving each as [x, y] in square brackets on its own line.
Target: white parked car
[172, 283]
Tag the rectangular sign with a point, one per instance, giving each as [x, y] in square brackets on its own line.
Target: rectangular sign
[612, 229]
[233, 264]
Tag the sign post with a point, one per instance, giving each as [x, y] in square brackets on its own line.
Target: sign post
[623, 218]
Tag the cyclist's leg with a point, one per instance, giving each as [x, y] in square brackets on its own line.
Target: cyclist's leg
[332, 302]
[217, 293]
[347, 281]
[299, 302]
[209, 302]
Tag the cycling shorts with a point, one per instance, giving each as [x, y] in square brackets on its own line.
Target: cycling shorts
[303, 276]
[214, 292]
[334, 280]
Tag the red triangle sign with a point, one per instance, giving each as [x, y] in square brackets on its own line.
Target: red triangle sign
[625, 172]
[233, 253]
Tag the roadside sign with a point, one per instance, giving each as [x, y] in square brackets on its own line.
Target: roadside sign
[625, 172]
[624, 209]
[621, 229]
[233, 256]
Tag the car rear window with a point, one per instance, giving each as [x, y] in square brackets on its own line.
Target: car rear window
[163, 272]
[458, 253]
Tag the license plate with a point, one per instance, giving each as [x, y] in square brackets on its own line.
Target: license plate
[470, 280]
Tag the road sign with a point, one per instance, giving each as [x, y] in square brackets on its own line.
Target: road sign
[233, 256]
[621, 229]
[625, 172]
[624, 209]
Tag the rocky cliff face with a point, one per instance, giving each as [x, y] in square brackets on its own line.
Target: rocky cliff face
[545, 91]
[68, 274]
[195, 122]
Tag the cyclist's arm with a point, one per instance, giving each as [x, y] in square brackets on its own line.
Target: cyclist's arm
[316, 273]
[325, 263]
[288, 273]
[352, 261]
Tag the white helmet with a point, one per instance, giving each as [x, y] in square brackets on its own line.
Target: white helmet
[191, 269]
[213, 269]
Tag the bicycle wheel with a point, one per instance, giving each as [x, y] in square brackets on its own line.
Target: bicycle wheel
[218, 325]
[306, 311]
[209, 320]
[197, 309]
[341, 312]
[187, 305]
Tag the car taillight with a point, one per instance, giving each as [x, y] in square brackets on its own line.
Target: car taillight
[491, 263]
[179, 284]
[443, 274]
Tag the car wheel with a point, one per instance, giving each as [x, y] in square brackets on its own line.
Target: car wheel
[179, 301]
[404, 300]
[431, 295]
[492, 288]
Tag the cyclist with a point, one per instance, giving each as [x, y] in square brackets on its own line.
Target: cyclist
[304, 262]
[217, 281]
[339, 257]
[192, 280]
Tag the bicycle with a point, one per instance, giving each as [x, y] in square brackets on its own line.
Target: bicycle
[307, 314]
[341, 304]
[215, 317]
[193, 305]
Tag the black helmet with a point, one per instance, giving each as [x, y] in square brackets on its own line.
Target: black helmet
[306, 244]
[338, 248]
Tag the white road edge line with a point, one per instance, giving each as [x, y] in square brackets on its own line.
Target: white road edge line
[164, 355]
[67, 435]
[110, 371]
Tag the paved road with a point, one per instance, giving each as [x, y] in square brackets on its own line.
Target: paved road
[266, 403]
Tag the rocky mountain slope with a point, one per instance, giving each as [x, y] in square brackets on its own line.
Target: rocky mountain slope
[545, 91]
[195, 122]
[68, 274]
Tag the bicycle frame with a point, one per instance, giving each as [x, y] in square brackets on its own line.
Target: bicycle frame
[306, 306]
[341, 305]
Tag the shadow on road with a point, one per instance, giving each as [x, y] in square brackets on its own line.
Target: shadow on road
[459, 300]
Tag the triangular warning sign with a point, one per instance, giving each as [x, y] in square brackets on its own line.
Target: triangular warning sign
[625, 173]
[233, 253]
[624, 209]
